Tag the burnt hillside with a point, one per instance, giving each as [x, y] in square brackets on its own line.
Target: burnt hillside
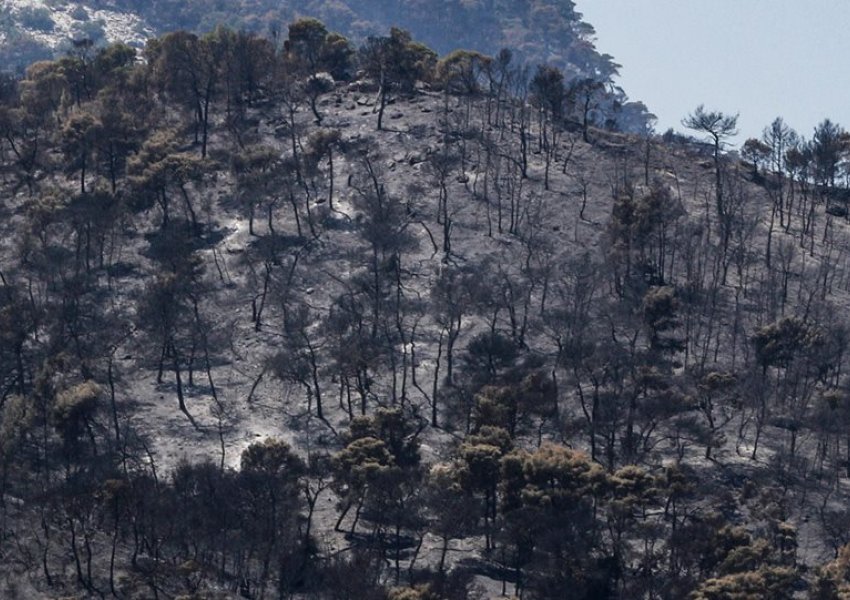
[337, 322]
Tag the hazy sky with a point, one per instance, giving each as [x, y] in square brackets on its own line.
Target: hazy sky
[759, 58]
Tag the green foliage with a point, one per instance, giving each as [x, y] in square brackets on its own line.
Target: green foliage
[479, 468]
[490, 435]
[421, 592]
[114, 57]
[43, 89]
[756, 151]
[462, 71]
[93, 30]
[717, 125]
[491, 353]
[495, 407]
[769, 582]
[638, 229]
[336, 56]
[271, 458]
[159, 169]
[306, 40]
[660, 308]
[778, 343]
[392, 427]
[363, 458]
[76, 401]
[79, 13]
[554, 478]
[833, 579]
[74, 408]
[79, 136]
[829, 144]
[36, 17]
[17, 415]
[396, 61]
[548, 89]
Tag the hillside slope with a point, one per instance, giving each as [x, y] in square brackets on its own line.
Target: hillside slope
[267, 348]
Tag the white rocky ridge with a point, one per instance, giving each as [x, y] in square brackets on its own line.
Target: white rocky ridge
[73, 20]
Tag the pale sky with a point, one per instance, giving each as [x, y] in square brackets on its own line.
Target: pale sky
[759, 58]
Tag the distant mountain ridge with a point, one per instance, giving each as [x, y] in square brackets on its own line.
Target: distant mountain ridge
[537, 31]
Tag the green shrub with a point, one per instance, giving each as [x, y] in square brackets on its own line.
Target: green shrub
[37, 18]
